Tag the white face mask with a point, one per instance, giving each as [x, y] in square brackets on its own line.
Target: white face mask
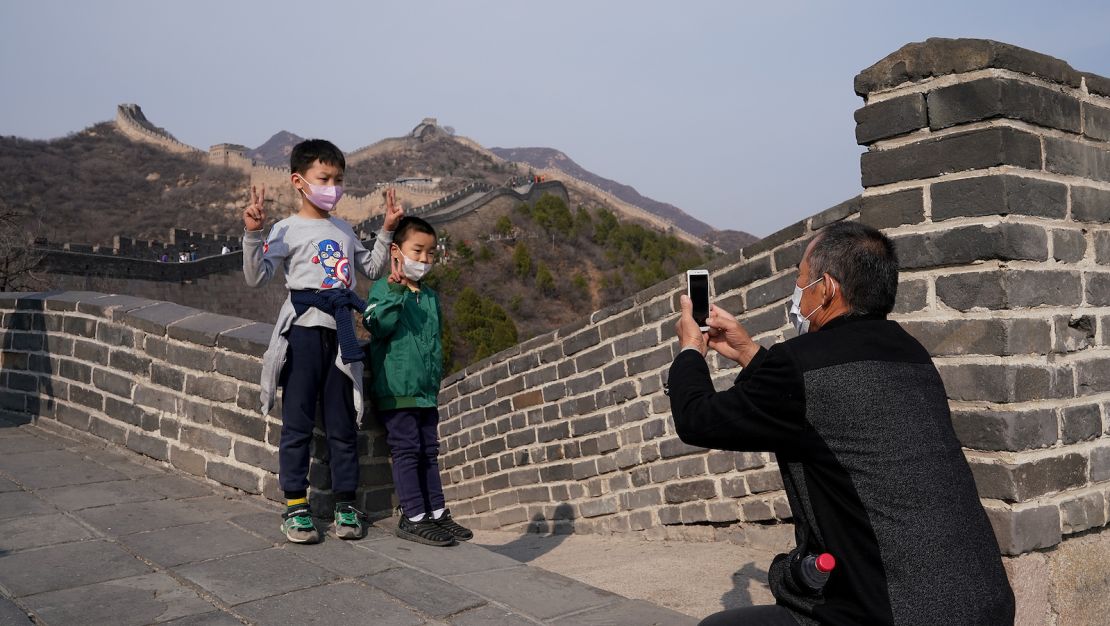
[414, 270]
[801, 322]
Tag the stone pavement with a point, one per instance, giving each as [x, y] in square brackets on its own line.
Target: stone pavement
[90, 534]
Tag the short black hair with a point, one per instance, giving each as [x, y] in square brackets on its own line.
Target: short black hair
[862, 260]
[310, 151]
[410, 224]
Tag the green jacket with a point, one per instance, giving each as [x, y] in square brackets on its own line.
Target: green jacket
[406, 353]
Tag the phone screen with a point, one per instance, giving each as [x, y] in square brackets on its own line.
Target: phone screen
[699, 295]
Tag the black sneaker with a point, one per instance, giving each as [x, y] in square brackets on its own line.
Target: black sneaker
[457, 530]
[426, 531]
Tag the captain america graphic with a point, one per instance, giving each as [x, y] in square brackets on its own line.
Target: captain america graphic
[336, 265]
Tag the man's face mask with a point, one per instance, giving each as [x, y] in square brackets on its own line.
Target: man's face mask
[801, 322]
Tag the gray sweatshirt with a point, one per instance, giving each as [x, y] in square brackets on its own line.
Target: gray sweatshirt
[315, 254]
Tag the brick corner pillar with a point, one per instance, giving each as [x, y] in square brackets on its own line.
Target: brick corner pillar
[989, 165]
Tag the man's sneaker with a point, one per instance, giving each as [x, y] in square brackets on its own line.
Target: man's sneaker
[348, 521]
[457, 531]
[297, 525]
[426, 531]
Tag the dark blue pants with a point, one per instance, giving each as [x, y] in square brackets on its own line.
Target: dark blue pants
[414, 445]
[309, 376]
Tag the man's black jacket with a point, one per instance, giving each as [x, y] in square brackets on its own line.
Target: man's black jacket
[858, 419]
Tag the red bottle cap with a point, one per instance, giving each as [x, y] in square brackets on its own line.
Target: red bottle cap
[825, 563]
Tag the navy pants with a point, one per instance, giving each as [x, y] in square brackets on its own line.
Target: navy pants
[309, 376]
[414, 445]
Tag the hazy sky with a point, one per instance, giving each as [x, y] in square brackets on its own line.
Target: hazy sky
[740, 113]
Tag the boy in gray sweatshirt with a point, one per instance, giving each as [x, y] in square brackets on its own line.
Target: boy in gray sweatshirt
[313, 354]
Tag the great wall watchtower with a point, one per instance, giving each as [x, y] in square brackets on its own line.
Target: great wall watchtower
[989, 166]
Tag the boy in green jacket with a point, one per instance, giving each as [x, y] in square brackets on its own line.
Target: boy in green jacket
[406, 365]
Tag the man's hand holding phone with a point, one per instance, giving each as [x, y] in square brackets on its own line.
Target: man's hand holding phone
[729, 338]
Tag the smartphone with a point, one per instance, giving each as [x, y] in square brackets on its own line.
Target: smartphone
[697, 287]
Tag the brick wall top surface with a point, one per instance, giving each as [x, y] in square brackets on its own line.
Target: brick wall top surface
[939, 57]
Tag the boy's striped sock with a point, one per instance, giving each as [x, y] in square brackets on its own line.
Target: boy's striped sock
[295, 502]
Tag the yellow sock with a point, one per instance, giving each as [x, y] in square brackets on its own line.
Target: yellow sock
[296, 501]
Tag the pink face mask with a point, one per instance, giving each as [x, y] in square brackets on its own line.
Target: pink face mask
[322, 197]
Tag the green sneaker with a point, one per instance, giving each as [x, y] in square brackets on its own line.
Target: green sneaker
[348, 521]
[296, 524]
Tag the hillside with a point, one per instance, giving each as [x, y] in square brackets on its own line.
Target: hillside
[514, 274]
[541, 158]
[96, 183]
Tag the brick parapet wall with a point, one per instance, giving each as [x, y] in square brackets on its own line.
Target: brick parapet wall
[176, 384]
[994, 185]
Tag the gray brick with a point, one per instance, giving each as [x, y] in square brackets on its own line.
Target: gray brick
[978, 149]
[107, 430]
[1069, 246]
[1083, 512]
[112, 383]
[962, 246]
[1068, 156]
[167, 376]
[75, 371]
[128, 362]
[635, 342]
[154, 318]
[205, 439]
[1098, 289]
[1096, 122]
[115, 336]
[264, 458]
[671, 448]
[912, 296]
[742, 275]
[203, 360]
[1005, 382]
[1080, 423]
[981, 336]
[1100, 464]
[1021, 482]
[80, 326]
[1102, 247]
[147, 445]
[86, 397]
[126, 411]
[890, 118]
[998, 195]
[889, 210]
[777, 288]
[1004, 289]
[203, 329]
[576, 343]
[689, 491]
[90, 351]
[187, 461]
[210, 388]
[1073, 333]
[244, 369]
[253, 425]
[776, 239]
[1092, 376]
[987, 429]
[1024, 530]
[993, 97]
[836, 213]
[234, 476]
[1090, 204]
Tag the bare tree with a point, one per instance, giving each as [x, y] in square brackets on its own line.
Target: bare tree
[18, 257]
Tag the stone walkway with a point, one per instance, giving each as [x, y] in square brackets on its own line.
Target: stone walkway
[93, 535]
